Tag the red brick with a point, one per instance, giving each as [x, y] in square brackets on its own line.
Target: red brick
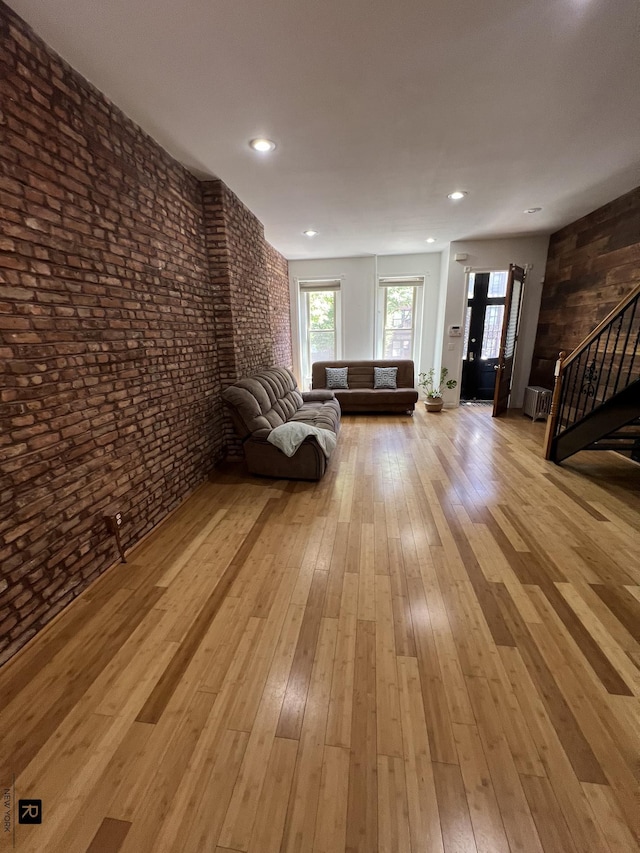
[125, 307]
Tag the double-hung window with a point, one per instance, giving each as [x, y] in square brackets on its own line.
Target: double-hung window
[320, 333]
[400, 299]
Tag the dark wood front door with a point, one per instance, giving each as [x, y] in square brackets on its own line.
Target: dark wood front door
[509, 337]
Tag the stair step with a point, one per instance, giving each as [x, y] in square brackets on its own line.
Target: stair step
[612, 445]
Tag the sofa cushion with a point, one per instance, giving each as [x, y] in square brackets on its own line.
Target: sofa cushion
[385, 377]
[314, 396]
[376, 399]
[325, 415]
[336, 377]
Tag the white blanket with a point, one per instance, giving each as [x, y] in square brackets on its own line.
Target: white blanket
[288, 437]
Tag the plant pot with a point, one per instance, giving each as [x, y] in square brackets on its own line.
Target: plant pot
[434, 404]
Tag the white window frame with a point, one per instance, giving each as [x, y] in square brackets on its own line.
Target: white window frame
[415, 281]
[305, 287]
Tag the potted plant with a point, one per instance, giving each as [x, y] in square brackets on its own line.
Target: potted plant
[433, 390]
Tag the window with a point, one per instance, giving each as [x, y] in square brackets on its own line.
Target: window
[319, 324]
[399, 317]
[399, 314]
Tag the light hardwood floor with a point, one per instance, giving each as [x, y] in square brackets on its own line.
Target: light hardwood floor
[435, 648]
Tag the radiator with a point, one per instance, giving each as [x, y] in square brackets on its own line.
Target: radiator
[537, 401]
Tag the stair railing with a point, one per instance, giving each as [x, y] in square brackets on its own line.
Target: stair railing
[606, 361]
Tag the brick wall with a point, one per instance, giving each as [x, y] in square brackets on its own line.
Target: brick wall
[251, 285]
[279, 307]
[113, 332]
[592, 264]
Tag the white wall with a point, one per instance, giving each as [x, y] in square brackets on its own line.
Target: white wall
[442, 307]
[358, 278]
[489, 255]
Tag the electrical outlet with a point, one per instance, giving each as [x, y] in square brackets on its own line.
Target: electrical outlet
[113, 522]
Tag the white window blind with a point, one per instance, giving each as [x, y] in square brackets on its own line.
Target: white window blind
[323, 284]
[405, 281]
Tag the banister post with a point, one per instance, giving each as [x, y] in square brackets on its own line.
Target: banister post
[552, 420]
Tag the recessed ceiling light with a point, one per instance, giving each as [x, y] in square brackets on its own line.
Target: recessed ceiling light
[310, 232]
[533, 210]
[431, 239]
[457, 195]
[262, 145]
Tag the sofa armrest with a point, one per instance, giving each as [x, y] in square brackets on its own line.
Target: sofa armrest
[318, 396]
[260, 434]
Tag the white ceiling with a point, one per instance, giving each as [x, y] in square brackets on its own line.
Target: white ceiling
[379, 108]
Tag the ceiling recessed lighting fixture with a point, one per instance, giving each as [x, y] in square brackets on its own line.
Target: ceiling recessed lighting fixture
[262, 145]
[309, 232]
[457, 195]
[431, 240]
[533, 210]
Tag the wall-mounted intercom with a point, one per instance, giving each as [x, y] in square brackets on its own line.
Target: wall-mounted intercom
[455, 331]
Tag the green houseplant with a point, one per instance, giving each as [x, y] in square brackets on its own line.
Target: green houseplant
[433, 390]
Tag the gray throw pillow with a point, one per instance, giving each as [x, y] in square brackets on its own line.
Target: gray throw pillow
[385, 377]
[336, 377]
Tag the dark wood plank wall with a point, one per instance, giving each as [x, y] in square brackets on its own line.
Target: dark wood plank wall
[592, 264]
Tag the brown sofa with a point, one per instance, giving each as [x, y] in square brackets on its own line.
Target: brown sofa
[361, 396]
[262, 402]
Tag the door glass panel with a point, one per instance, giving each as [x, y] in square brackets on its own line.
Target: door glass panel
[467, 323]
[492, 331]
[472, 285]
[497, 285]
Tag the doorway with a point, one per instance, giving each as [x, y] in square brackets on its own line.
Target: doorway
[486, 298]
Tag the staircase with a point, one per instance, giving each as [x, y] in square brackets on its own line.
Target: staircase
[596, 398]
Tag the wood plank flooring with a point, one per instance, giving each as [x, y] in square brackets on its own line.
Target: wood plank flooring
[435, 649]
